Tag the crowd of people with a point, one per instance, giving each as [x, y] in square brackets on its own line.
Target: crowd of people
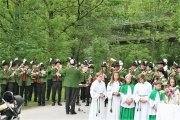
[130, 94]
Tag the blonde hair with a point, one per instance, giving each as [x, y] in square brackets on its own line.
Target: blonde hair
[141, 76]
[97, 75]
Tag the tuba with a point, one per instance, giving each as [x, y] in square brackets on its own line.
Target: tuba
[109, 64]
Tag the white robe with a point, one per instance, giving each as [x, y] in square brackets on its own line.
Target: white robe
[127, 96]
[96, 89]
[142, 91]
[153, 104]
[115, 114]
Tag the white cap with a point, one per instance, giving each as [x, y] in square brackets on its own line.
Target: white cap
[72, 61]
[31, 62]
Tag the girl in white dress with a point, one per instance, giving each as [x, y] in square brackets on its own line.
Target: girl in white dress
[113, 109]
[141, 95]
[174, 97]
[98, 94]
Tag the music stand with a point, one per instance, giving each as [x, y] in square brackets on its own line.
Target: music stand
[81, 86]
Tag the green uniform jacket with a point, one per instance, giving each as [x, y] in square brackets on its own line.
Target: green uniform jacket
[28, 77]
[4, 76]
[177, 77]
[149, 76]
[122, 74]
[12, 78]
[72, 77]
[88, 75]
[48, 70]
[53, 74]
[135, 76]
[42, 77]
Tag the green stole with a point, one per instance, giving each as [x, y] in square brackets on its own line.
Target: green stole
[124, 88]
[153, 94]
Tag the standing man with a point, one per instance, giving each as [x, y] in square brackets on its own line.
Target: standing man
[149, 73]
[49, 79]
[4, 76]
[57, 82]
[71, 83]
[24, 81]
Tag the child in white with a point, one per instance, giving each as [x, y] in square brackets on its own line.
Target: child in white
[98, 94]
[141, 95]
[113, 109]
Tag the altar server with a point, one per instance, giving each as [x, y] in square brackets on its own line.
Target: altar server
[98, 94]
[154, 99]
[141, 92]
[127, 102]
[113, 110]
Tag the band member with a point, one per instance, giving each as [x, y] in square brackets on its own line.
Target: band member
[141, 92]
[16, 86]
[72, 78]
[113, 111]
[127, 102]
[4, 76]
[154, 99]
[57, 83]
[89, 80]
[135, 71]
[13, 78]
[143, 67]
[25, 81]
[162, 79]
[149, 73]
[98, 94]
[49, 79]
[41, 85]
[83, 90]
[33, 86]
[106, 77]
[161, 64]
[123, 72]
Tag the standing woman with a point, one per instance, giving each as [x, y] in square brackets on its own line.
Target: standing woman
[127, 102]
[113, 110]
[41, 85]
[98, 94]
[141, 92]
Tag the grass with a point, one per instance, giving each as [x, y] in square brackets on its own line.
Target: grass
[33, 104]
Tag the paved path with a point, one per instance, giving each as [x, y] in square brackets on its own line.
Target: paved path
[56, 112]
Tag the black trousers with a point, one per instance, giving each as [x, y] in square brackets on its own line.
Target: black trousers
[77, 96]
[24, 89]
[41, 88]
[10, 87]
[88, 93]
[49, 87]
[32, 88]
[56, 86]
[83, 92]
[16, 89]
[3, 89]
[71, 94]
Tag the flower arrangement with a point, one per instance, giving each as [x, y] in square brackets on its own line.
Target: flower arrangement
[169, 93]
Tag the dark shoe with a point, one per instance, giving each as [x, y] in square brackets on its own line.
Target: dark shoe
[25, 104]
[43, 104]
[39, 104]
[59, 104]
[67, 113]
[83, 101]
[73, 112]
[77, 103]
[53, 103]
[87, 104]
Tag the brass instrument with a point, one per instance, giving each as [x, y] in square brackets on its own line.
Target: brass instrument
[109, 64]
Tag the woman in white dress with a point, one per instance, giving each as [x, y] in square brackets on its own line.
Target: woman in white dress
[113, 109]
[141, 92]
[98, 94]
